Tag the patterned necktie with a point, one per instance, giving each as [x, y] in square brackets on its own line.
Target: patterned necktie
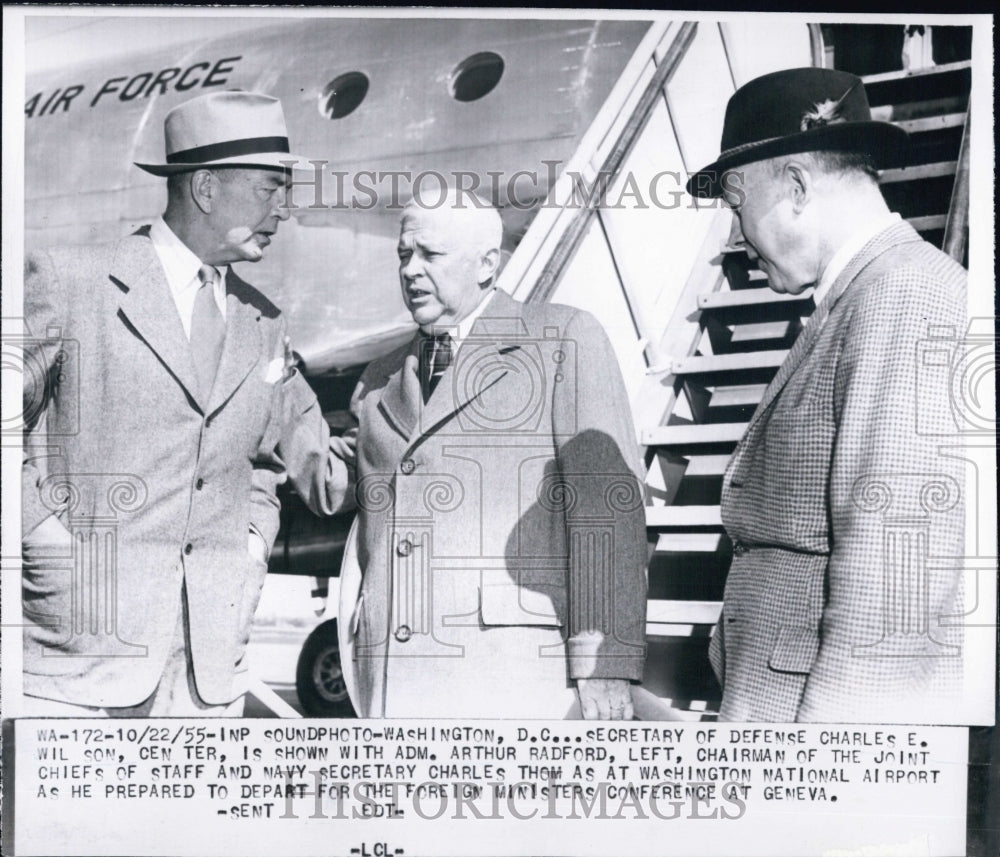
[208, 331]
[437, 352]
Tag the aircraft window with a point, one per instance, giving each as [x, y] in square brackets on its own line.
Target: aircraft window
[343, 94]
[476, 76]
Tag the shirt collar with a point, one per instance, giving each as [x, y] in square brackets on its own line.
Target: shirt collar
[848, 250]
[461, 331]
[179, 264]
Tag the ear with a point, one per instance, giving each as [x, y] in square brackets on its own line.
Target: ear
[488, 264]
[204, 189]
[798, 184]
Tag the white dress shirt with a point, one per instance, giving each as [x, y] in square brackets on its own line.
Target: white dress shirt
[181, 267]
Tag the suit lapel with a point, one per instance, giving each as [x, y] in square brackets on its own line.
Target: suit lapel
[898, 234]
[147, 306]
[401, 399]
[241, 349]
[807, 339]
[479, 360]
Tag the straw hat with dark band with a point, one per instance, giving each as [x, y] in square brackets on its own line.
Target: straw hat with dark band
[243, 129]
[799, 110]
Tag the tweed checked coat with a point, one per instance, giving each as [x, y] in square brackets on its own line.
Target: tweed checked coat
[847, 520]
[501, 526]
[158, 483]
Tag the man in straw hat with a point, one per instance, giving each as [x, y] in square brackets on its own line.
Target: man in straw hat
[846, 520]
[152, 438]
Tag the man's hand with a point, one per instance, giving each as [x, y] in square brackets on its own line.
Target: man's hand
[49, 539]
[605, 698]
[347, 444]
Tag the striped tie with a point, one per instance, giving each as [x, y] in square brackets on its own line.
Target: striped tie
[208, 331]
[437, 358]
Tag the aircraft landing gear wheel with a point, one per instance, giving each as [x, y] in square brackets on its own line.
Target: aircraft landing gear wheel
[319, 679]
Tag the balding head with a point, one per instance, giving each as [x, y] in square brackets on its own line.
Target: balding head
[449, 251]
[459, 213]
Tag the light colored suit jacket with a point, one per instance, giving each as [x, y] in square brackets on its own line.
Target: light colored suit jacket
[501, 526]
[158, 483]
[843, 598]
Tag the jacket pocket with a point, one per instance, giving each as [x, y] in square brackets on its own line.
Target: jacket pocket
[253, 586]
[795, 650]
[510, 604]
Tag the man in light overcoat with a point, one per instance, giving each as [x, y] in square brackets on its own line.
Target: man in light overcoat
[153, 418]
[501, 539]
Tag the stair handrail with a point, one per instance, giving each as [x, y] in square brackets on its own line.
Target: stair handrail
[613, 163]
[569, 234]
[817, 47]
[956, 229]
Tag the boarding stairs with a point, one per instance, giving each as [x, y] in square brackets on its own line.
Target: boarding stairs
[698, 332]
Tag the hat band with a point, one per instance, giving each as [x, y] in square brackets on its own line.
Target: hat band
[229, 149]
[735, 150]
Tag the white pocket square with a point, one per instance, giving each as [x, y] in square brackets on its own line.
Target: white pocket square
[275, 369]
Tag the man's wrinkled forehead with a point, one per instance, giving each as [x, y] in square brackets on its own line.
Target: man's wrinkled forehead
[431, 231]
[413, 231]
[439, 222]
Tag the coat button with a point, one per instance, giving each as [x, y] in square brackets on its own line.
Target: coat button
[739, 548]
[405, 547]
[407, 466]
[403, 633]
[188, 548]
[199, 484]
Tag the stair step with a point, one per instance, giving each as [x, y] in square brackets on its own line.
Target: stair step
[920, 109]
[737, 397]
[691, 434]
[731, 362]
[760, 330]
[923, 171]
[705, 466]
[683, 612]
[748, 297]
[683, 516]
[917, 72]
[926, 224]
[931, 123]
[704, 542]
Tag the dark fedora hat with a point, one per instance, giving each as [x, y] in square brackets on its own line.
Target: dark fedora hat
[799, 110]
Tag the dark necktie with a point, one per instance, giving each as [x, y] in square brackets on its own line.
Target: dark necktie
[436, 352]
[208, 331]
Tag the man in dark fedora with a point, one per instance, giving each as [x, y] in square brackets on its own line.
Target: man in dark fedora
[843, 598]
[155, 448]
